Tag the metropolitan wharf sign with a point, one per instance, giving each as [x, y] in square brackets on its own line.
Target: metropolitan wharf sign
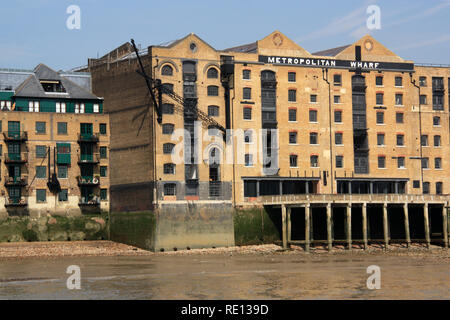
[339, 64]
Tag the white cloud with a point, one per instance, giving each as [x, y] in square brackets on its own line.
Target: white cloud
[427, 43]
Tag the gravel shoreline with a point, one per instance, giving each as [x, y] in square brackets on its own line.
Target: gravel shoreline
[21, 250]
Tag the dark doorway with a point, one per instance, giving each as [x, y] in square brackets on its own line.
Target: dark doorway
[416, 222]
[396, 222]
[357, 233]
[319, 223]
[298, 223]
[436, 223]
[375, 223]
[339, 223]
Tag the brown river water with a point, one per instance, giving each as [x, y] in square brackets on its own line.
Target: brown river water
[225, 276]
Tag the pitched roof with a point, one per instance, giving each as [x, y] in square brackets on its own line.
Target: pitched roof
[245, 48]
[32, 87]
[331, 52]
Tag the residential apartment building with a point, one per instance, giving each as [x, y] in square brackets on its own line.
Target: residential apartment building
[55, 144]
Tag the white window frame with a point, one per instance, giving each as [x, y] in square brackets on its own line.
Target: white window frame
[77, 108]
[96, 108]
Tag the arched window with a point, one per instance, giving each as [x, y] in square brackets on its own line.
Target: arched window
[167, 70]
[213, 111]
[213, 90]
[212, 73]
[214, 157]
[267, 75]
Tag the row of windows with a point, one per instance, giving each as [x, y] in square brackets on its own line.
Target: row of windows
[41, 127]
[63, 195]
[60, 107]
[212, 72]
[401, 162]
[41, 172]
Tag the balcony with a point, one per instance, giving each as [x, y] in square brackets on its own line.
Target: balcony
[16, 201]
[16, 157]
[15, 136]
[88, 180]
[88, 137]
[16, 181]
[88, 158]
[89, 202]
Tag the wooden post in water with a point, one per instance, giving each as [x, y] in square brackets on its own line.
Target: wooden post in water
[364, 224]
[406, 214]
[307, 227]
[385, 226]
[348, 209]
[289, 228]
[427, 224]
[329, 234]
[283, 225]
[445, 225]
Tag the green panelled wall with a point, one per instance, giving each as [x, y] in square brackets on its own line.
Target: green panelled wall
[49, 105]
[6, 95]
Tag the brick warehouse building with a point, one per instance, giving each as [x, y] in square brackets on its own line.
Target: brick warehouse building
[352, 125]
[52, 124]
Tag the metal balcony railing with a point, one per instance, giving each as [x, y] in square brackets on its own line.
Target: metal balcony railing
[89, 158]
[13, 135]
[16, 157]
[89, 201]
[88, 137]
[16, 181]
[16, 201]
[215, 188]
[88, 180]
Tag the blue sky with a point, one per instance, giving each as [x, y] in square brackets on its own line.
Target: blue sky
[35, 31]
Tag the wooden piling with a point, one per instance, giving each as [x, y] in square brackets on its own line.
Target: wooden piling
[289, 228]
[348, 208]
[329, 232]
[307, 227]
[364, 224]
[427, 224]
[385, 226]
[445, 226]
[406, 217]
[284, 226]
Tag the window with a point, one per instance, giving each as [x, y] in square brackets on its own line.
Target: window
[312, 115]
[169, 168]
[103, 194]
[79, 107]
[103, 153]
[166, 70]
[423, 81]
[41, 151]
[167, 128]
[338, 116]
[212, 73]
[398, 81]
[399, 117]
[423, 99]
[63, 195]
[247, 93]
[436, 121]
[40, 127]
[247, 136]
[313, 138]
[291, 76]
[313, 98]
[292, 95]
[167, 108]
[314, 161]
[416, 184]
[62, 172]
[401, 162]
[102, 128]
[41, 172]
[293, 161]
[438, 163]
[246, 74]
[103, 171]
[5, 105]
[62, 127]
[400, 140]
[337, 80]
[426, 187]
[60, 107]
[425, 163]
[41, 195]
[424, 140]
[381, 162]
[438, 102]
[398, 99]
[338, 138]
[339, 161]
[337, 99]
[293, 137]
[380, 117]
[33, 106]
[247, 113]
[213, 90]
[170, 189]
[248, 160]
[213, 111]
[292, 114]
[379, 80]
[168, 148]
[1, 129]
[379, 98]
[96, 108]
[438, 187]
[437, 141]
[168, 86]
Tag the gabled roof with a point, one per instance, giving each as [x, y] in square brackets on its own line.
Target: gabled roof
[32, 87]
[331, 52]
[245, 48]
